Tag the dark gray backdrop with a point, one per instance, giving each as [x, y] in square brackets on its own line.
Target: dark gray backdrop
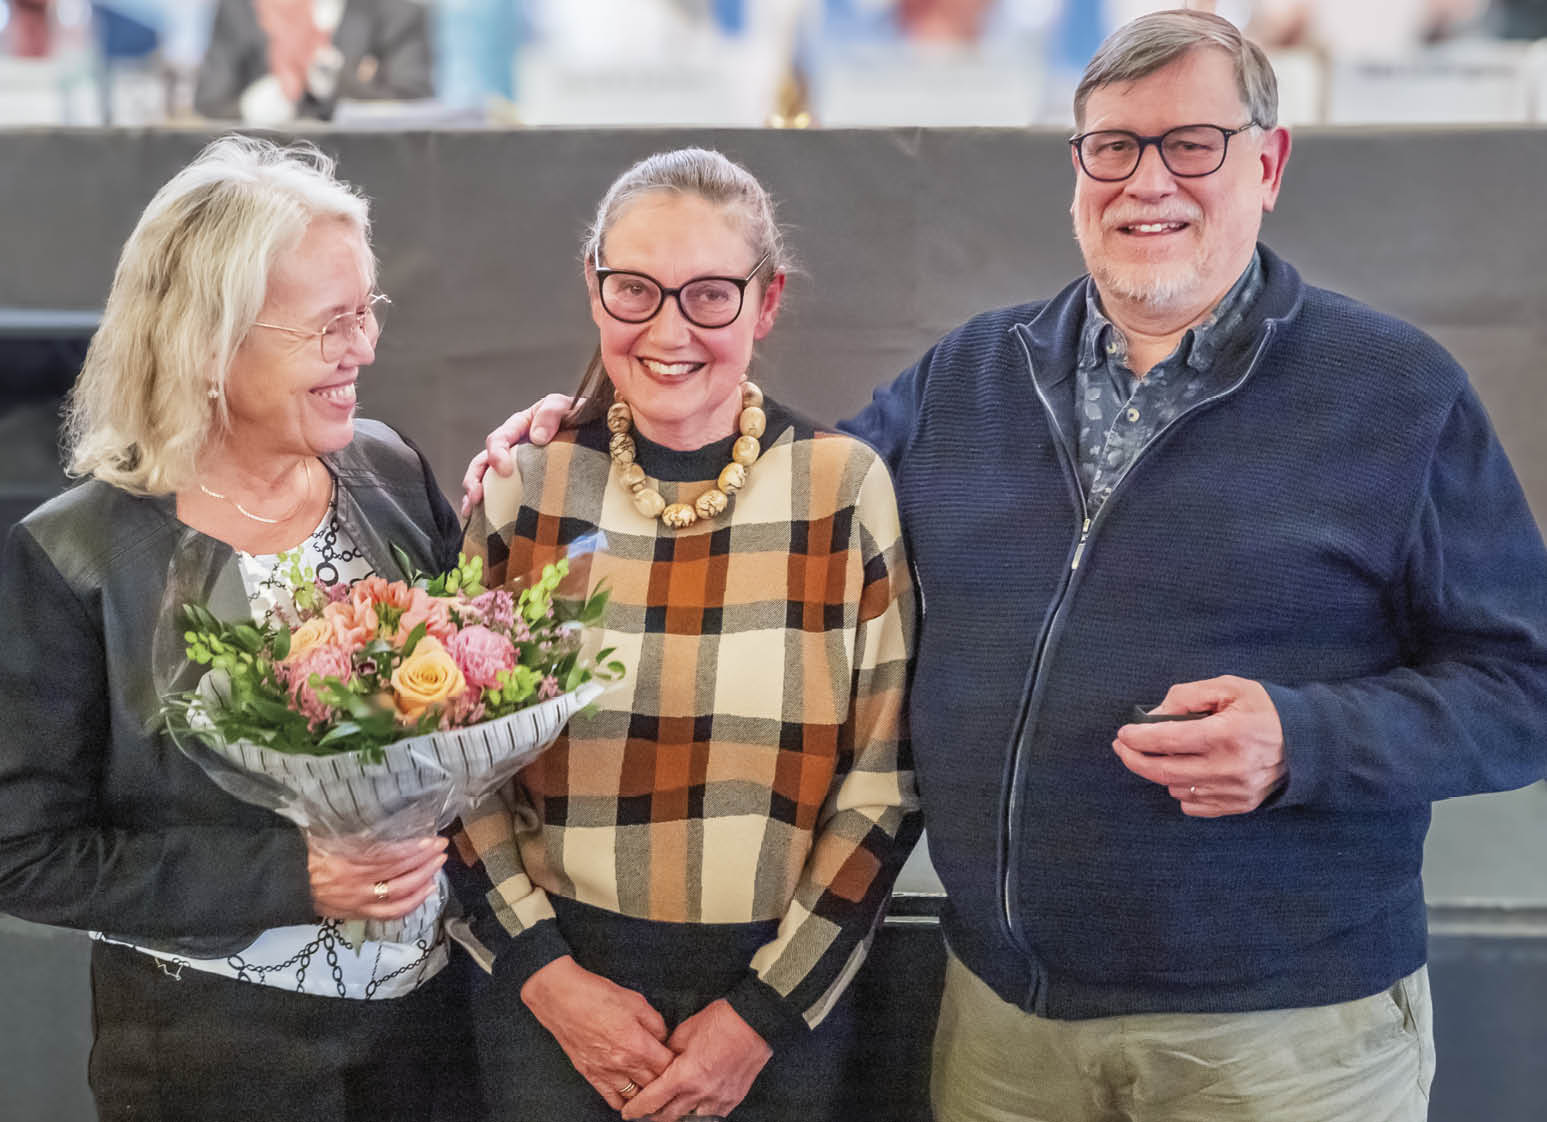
[901, 234]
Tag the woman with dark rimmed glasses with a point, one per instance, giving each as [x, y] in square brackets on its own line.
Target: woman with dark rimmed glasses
[674, 899]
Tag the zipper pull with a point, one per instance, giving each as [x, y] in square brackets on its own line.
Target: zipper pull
[1079, 550]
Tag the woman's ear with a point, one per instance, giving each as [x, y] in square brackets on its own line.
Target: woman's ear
[768, 308]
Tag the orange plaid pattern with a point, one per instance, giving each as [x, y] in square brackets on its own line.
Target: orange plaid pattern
[754, 764]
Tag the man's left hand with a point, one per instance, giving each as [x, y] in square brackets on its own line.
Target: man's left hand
[1225, 763]
[718, 1057]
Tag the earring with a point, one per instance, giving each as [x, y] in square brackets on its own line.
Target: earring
[214, 391]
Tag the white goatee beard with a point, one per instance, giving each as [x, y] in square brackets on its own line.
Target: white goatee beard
[1154, 286]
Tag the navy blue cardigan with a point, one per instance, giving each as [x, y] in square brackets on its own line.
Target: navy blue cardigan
[1338, 522]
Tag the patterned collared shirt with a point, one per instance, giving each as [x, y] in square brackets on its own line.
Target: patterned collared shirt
[1118, 412]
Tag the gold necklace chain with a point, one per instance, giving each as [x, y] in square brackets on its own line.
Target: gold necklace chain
[752, 423]
[306, 467]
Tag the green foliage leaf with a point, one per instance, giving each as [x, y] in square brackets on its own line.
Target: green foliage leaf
[419, 632]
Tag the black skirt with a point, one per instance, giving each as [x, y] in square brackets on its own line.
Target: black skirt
[181, 1045]
[679, 968]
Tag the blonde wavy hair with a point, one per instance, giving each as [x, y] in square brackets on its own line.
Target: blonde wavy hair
[189, 284]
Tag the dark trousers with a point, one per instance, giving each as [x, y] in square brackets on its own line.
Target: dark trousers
[178, 1045]
[679, 968]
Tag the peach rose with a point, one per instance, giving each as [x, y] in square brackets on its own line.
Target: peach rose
[314, 631]
[428, 677]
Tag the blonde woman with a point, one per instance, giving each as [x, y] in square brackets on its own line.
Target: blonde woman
[213, 426]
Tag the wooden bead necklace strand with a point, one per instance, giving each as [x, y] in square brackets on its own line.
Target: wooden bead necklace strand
[649, 501]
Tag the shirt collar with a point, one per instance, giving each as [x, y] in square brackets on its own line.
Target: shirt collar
[1102, 340]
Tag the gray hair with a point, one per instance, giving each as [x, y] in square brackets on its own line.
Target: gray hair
[1145, 45]
[191, 280]
[707, 175]
[699, 172]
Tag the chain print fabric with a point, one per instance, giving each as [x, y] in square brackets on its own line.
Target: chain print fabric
[317, 959]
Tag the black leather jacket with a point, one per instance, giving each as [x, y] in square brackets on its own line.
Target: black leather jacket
[104, 824]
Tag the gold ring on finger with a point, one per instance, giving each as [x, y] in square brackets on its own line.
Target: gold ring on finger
[628, 1090]
[381, 890]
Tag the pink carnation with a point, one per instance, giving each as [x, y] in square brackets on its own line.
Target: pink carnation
[432, 611]
[325, 660]
[481, 654]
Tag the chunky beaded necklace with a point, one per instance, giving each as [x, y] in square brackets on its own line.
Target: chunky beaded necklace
[649, 502]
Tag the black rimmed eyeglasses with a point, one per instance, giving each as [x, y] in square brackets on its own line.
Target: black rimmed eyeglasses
[339, 333]
[703, 301]
[1188, 151]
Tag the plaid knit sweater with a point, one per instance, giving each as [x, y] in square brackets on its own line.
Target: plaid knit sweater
[754, 764]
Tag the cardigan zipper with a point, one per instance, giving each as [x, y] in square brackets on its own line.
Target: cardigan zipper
[1046, 640]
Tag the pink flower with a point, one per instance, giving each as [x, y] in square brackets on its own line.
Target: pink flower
[548, 687]
[325, 660]
[481, 654]
[432, 611]
[495, 608]
[354, 621]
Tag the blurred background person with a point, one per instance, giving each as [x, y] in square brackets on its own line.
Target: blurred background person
[1392, 28]
[272, 61]
[28, 28]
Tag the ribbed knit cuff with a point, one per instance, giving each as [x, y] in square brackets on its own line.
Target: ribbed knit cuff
[529, 952]
[1303, 748]
[773, 1018]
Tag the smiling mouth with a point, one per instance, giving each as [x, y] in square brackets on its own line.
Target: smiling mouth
[337, 395]
[670, 369]
[1149, 229]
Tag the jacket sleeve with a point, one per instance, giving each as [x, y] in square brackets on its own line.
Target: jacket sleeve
[870, 820]
[62, 860]
[1466, 711]
[888, 423]
[508, 915]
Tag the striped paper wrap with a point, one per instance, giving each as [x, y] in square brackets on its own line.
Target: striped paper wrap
[422, 785]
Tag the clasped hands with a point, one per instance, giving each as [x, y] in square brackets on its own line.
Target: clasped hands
[1225, 763]
[619, 1044]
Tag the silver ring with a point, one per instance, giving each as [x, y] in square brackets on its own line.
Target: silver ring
[628, 1090]
[381, 890]
[1192, 792]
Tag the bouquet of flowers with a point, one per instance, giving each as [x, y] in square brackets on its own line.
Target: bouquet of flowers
[381, 710]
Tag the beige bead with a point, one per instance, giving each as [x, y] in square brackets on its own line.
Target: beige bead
[648, 502]
[751, 395]
[711, 503]
[679, 516]
[754, 422]
[633, 477]
[621, 447]
[733, 478]
[619, 417]
[746, 450]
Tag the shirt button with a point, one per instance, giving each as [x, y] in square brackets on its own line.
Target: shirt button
[1133, 414]
[1111, 348]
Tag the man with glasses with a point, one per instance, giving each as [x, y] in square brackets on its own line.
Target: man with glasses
[1226, 579]
[1202, 488]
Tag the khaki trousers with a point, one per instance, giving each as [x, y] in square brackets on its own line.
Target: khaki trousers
[1369, 1060]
